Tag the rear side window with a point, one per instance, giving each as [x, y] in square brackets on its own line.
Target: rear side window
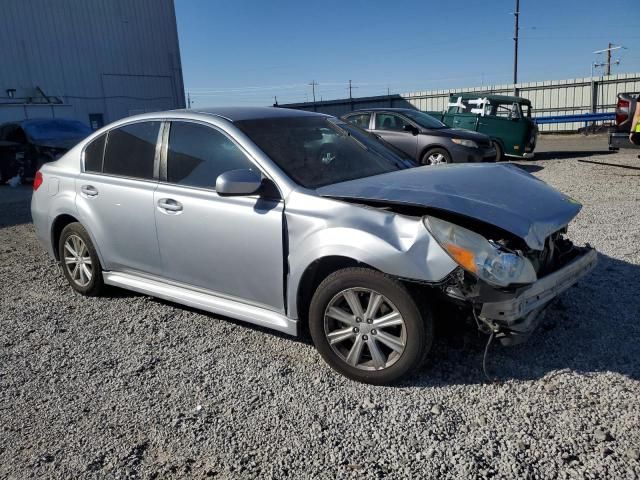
[131, 150]
[93, 154]
[197, 154]
[361, 120]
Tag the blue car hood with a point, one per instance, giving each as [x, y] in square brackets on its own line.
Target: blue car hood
[500, 195]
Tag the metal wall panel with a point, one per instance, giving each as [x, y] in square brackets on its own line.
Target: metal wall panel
[68, 47]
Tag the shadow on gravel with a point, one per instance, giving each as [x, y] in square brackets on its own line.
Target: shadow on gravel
[593, 327]
[561, 155]
[528, 168]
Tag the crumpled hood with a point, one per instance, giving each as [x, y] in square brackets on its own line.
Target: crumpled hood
[500, 195]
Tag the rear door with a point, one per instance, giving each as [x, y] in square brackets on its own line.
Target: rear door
[114, 196]
[390, 127]
[231, 246]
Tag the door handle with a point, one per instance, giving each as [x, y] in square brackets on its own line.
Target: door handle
[170, 205]
[89, 190]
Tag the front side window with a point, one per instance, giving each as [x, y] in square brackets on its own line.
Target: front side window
[131, 150]
[315, 151]
[198, 154]
[93, 154]
[361, 120]
[388, 121]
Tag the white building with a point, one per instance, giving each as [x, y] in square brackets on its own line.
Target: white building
[91, 60]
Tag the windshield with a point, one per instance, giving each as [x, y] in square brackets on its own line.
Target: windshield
[50, 129]
[424, 120]
[317, 151]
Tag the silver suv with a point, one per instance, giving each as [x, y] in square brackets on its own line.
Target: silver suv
[290, 219]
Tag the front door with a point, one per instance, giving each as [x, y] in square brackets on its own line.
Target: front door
[504, 122]
[391, 127]
[114, 197]
[230, 246]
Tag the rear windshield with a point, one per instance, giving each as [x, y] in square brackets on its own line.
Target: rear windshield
[317, 151]
[49, 129]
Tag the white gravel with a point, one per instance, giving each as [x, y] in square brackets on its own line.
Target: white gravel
[130, 386]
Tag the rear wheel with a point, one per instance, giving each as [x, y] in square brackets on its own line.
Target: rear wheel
[435, 156]
[79, 260]
[367, 327]
[499, 151]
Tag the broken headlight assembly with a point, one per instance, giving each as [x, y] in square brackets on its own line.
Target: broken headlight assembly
[480, 257]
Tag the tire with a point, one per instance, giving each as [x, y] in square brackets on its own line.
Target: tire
[499, 151]
[435, 156]
[87, 277]
[411, 338]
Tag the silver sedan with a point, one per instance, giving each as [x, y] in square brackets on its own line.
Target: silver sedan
[293, 220]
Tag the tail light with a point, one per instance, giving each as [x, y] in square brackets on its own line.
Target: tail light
[37, 180]
[622, 111]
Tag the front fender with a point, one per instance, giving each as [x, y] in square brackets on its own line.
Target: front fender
[395, 244]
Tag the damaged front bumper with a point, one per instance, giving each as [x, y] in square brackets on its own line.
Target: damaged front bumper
[514, 318]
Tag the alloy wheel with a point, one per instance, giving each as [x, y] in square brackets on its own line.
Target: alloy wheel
[77, 260]
[365, 329]
[436, 159]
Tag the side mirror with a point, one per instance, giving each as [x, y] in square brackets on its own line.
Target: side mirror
[411, 128]
[238, 182]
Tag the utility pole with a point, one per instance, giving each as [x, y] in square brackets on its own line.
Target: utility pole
[516, 14]
[351, 96]
[611, 47]
[276, 99]
[189, 100]
[313, 89]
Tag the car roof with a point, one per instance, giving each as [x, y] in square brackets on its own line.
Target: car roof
[236, 114]
[495, 98]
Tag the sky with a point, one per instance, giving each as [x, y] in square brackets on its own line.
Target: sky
[246, 52]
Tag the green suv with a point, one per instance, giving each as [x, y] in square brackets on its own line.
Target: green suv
[507, 120]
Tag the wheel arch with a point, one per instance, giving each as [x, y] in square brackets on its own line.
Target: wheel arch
[57, 226]
[315, 273]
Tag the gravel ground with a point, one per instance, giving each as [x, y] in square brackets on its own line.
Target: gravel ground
[131, 386]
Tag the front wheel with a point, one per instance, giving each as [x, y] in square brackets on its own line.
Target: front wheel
[436, 156]
[367, 327]
[79, 260]
[499, 151]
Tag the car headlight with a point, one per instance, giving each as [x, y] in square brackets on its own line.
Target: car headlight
[465, 143]
[476, 255]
